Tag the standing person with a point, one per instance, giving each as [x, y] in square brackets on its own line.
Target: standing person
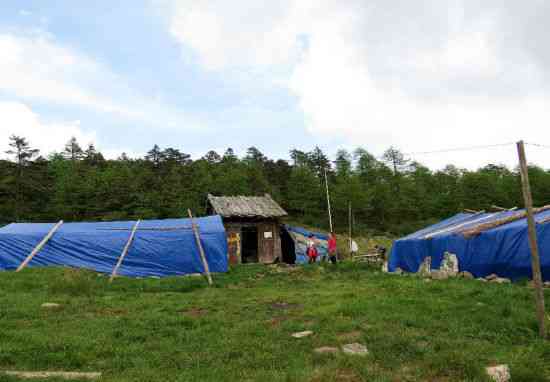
[354, 248]
[332, 253]
[311, 250]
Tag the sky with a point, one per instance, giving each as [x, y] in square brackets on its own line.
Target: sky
[207, 75]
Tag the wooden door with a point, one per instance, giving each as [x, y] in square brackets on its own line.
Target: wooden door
[266, 237]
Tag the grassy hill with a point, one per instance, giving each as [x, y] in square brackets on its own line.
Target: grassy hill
[178, 329]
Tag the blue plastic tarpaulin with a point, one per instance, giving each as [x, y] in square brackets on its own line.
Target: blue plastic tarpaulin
[300, 236]
[503, 250]
[160, 247]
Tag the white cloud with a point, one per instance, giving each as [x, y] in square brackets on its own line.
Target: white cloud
[430, 77]
[34, 66]
[19, 119]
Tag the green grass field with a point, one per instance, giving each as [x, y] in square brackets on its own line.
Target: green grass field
[178, 329]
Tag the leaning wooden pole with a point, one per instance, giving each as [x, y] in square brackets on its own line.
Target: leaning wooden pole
[328, 202]
[124, 251]
[39, 246]
[201, 250]
[532, 230]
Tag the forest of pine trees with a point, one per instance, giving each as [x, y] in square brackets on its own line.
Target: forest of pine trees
[388, 194]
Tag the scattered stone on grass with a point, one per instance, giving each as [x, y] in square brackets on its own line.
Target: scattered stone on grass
[68, 375]
[303, 334]
[492, 276]
[546, 284]
[425, 268]
[439, 275]
[326, 350]
[500, 280]
[398, 271]
[193, 275]
[481, 279]
[50, 305]
[499, 373]
[449, 264]
[355, 349]
[428, 280]
[466, 275]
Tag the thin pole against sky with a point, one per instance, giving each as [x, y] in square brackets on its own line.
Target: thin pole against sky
[328, 202]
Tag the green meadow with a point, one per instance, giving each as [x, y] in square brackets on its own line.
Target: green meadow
[179, 329]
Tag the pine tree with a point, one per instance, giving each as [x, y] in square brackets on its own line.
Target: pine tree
[73, 151]
[23, 154]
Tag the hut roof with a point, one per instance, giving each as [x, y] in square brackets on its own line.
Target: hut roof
[246, 206]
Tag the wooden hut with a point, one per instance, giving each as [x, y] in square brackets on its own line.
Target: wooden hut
[252, 224]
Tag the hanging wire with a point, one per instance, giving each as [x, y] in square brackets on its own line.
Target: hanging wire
[469, 148]
[538, 145]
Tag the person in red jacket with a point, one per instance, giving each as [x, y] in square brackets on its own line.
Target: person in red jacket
[311, 250]
[332, 253]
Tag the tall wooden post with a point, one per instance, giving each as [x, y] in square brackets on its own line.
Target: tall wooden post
[201, 249]
[349, 221]
[535, 260]
[328, 202]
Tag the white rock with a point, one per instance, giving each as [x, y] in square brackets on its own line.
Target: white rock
[302, 334]
[500, 373]
[449, 264]
[355, 349]
[425, 268]
[50, 305]
[501, 280]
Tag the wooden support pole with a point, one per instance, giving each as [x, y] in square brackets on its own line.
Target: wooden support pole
[124, 251]
[201, 250]
[532, 230]
[349, 221]
[39, 246]
[328, 202]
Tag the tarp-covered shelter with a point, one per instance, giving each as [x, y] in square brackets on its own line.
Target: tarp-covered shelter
[299, 237]
[484, 243]
[253, 226]
[159, 248]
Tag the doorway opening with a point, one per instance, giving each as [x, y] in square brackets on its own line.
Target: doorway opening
[249, 249]
[288, 247]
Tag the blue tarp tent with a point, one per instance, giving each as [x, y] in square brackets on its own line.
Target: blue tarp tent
[300, 236]
[503, 250]
[160, 247]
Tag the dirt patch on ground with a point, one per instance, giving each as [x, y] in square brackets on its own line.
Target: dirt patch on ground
[341, 375]
[350, 336]
[111, 312]
[285, 305]
[194, 312]
[276, 321]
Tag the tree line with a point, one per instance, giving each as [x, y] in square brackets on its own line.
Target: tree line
[387, 194]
